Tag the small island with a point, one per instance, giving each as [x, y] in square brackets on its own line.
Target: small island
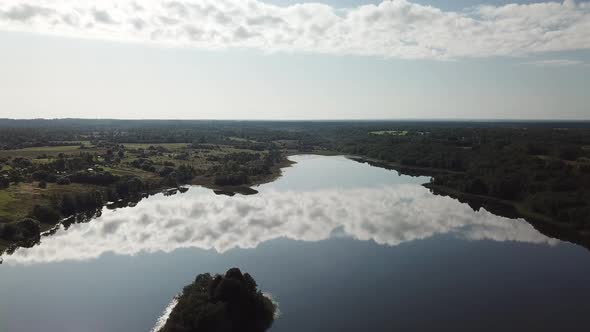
[218, 303]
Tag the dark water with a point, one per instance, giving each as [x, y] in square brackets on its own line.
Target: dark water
[342, 246]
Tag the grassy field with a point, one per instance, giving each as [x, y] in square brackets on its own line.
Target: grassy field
[390, 132]
[17, 201]
[197, 158]
[130, 171]
[34, 152]
[42, 160]
[170, 146]
[239, 139]
[8, 210]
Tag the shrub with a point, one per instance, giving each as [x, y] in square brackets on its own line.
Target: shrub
[24, 232]
[165, 171]
[40, 175]
[98, 178]
[570, 152]
[231, 179]
[68, 205]
[184, 173]
[45, 214]
[131, 186]
[4, 182]
[477, 187]
[63, 181]
[7, 231]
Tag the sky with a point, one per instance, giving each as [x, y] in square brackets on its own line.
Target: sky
[295, 60]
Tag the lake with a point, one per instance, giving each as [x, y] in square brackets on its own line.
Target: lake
[340, 245]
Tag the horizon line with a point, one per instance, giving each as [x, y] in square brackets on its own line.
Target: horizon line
[313, 120]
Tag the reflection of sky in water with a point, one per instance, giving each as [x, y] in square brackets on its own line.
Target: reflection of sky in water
[372, 252]
[317, 172]
[317, 199]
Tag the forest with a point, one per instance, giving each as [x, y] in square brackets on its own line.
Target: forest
[53, 169]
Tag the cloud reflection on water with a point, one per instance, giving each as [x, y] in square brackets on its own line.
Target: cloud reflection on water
[388, 215]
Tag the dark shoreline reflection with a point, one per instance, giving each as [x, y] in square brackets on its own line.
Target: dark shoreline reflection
[83, 217]
[272, 198]
[388, 215]
[561, 232]
[493, 205]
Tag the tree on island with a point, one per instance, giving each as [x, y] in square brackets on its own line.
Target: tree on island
[229, 303]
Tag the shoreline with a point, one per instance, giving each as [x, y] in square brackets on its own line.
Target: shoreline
[205, 182]
[510, 209]
[247, 188]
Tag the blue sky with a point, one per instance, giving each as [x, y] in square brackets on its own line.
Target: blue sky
[231, 61]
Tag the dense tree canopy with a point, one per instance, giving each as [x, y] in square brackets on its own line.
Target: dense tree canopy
[229, 303]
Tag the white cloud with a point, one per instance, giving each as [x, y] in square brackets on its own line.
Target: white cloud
[395, 28]
[199, 219]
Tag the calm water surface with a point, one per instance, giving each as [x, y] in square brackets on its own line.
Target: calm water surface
[342, 246]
